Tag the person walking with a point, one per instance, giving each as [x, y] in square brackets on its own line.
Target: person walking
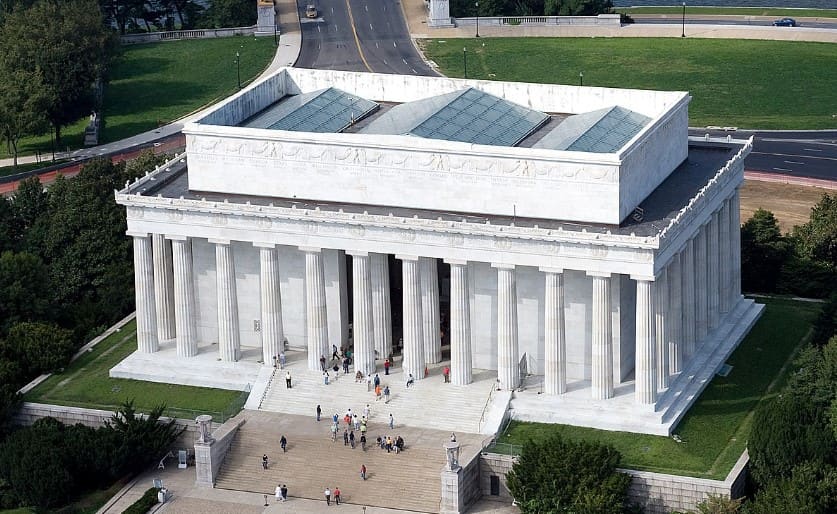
[327, 494]
[264, 461]
[366, 411]
[283, 443]
[356, 422]
[377, 392]
[345, 437]
[334, 418]
[337, 495]
[377, 380]
[325, 377]
[319, 411]
[322, 362]
[391, 422]
[386, 394]
[288, 379]
[363, 441]
[278, 493]
[446, 374]
[368, 383]
[410, 380]
[282, 360]
[284, 492]
[386, 367]
[363, 471]
[334, 354]
[334, 432]
[352, 439]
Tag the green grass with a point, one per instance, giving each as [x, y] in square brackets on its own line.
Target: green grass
[154, 84]
[733, 11]
[715, 430]
[85, 383]
[749, 84]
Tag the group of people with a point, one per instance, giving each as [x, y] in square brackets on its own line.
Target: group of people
[389, 444]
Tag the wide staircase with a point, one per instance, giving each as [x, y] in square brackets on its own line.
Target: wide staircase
[313, 462]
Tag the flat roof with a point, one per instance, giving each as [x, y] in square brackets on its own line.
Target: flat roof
[704, 160]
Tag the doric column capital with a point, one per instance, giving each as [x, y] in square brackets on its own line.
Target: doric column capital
[222, 242]
[310, 249]
[551, 270]
[643, 278]
[259, 244]
[502, 265]
[456, 262]
[357, 253]
[403, 257]
[176, 237]
[599, 274]
[137, 233]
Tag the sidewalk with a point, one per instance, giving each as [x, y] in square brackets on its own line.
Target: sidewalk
[416, 14]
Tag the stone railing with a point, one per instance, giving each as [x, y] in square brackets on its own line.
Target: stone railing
[150, 37]
[209, 455]
[602, 20]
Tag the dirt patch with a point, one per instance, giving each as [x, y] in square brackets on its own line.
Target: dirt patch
[790, 204]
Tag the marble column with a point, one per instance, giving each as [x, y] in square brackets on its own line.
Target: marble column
[381, 309]
[701, 288]
[645, 371]
[712, 272]
[461, 361]
[229, 336]
[163, 287]
[555, 338]
[688, 291]
[660, 328]
[602, 352]
[363, 329]
[674, 323]
[508, 369]
[272, 330]
[186, 332]
[413, 351]
[147, 341]
[735, 246]
[725, 258]
[430, 310]
[315, 307]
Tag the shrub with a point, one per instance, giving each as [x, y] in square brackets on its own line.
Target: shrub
[555, 475]
[825, 326]
[40, 347]
[139, 440]
[788, 431]
[810, 489]
[144, 504]
[718, 504]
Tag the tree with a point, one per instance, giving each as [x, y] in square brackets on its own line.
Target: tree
[40, 347]
[817, 239]
[30, 202]
[763, 252]
[718, 504]
[140, 440]
[69, 45]
[555, 475]
[825, 326]
[24, 289]
[23, 100]
[229, 13]
[9, 227]
[810, 489]
[788, 431]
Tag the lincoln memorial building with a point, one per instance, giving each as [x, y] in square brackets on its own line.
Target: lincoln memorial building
[572, 244]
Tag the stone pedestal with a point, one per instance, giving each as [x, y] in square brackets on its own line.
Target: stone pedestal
[266, 23]
[203, 464]
[439, 14]
[453, 490]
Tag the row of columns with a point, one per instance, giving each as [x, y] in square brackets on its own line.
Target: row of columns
[674, 310]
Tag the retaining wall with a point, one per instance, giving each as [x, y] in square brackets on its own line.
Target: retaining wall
[174, 35]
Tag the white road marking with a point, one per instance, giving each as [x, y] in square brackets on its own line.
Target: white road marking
[376, 45]
[795, 162]
[414, 71]
[796, 155]
[782, 169]
[370, 27]
[393, 44]
[366, 7]
[405, 61]
[812, 149]
[319, 29]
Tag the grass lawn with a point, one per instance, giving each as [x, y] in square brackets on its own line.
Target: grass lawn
[749, 84]
[733, 11]
[85, 383]
[156, 83]
[715, 430]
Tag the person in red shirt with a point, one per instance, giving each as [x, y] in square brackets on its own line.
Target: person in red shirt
[336, 494]
[363, 471]
[386, 367]
[447, 374]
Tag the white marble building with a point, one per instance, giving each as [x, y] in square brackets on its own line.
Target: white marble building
[592, 246]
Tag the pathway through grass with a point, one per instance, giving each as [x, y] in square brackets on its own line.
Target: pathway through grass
[85, 383]
[714, 432]
[744, 83]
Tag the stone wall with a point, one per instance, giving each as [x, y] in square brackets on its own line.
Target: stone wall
[602, 20]
[210, 455]
[30, 412]
[656, 493]
[174, 35]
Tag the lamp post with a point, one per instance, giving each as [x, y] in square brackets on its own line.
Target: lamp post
[580, 78]
[477, 4]
[683, 34]
[465, 60]
[275, 39]
[238, 68]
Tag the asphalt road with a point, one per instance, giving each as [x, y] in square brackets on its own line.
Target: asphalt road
[373, 36]
[691, 20]
[359, 36]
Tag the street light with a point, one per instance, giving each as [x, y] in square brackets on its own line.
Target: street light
[238, 68]
[580, 78]
[465, 60]
[683, 34]
[477, 4]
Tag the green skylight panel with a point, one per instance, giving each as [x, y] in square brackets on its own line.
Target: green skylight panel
[326, 110]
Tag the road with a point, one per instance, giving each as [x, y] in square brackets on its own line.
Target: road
[359, 36]
[673, 19]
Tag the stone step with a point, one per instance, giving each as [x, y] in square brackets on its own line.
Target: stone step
[409, 479]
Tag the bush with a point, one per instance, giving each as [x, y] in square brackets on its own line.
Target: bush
[40, 347]
[718, 504]
[139, 440]
[144, 504]
[788, 431]
[810, 489]
[554, 475]
[825, 326]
